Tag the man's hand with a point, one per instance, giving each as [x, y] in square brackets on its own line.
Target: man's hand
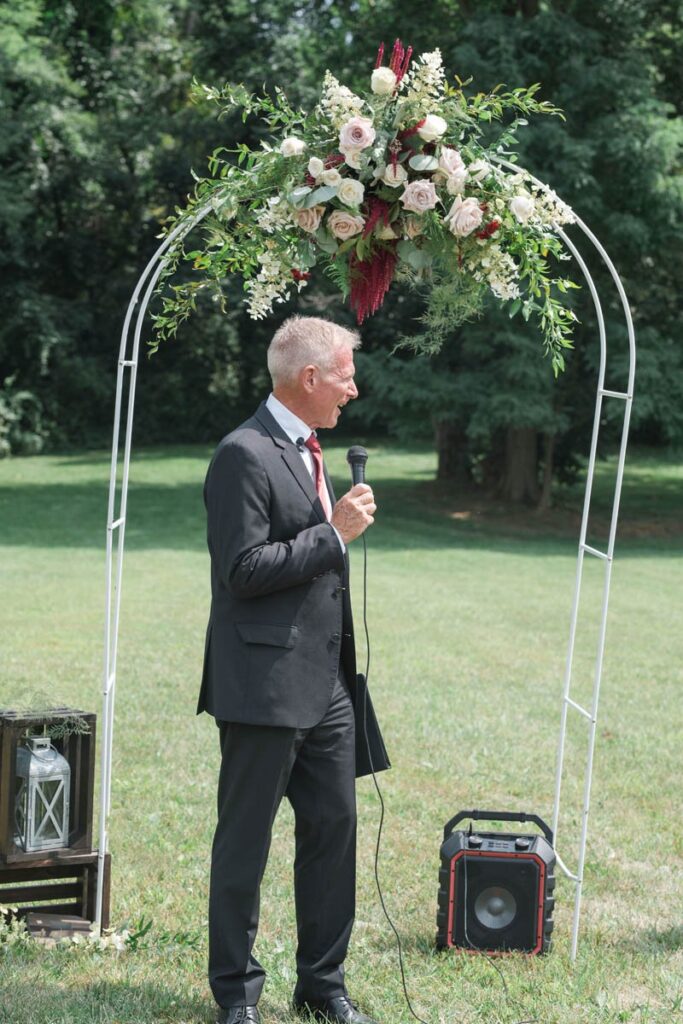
[354, 512]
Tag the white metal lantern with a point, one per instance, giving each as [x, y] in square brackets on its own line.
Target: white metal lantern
[41, 807]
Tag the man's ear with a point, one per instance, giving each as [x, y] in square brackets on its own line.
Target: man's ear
[308, 376]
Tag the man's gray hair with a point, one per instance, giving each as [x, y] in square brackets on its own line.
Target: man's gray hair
[302, 340]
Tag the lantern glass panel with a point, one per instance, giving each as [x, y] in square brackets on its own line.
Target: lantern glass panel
[48, 810]
[20, 807]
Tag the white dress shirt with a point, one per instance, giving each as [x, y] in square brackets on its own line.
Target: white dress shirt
[296, 430]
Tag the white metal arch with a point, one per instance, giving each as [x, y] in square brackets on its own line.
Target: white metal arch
[116, 524]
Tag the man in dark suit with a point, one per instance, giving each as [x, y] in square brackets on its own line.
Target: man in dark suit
[280, 673]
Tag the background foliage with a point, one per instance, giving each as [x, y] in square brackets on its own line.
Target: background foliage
[98, 139]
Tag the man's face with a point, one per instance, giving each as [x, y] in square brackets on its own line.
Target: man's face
[329, 391]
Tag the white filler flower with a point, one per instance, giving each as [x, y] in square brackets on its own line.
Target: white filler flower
[291, 146]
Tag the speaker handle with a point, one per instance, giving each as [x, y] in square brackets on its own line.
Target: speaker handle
[498, 816]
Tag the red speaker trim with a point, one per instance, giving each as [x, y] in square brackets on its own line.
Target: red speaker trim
[541, 889]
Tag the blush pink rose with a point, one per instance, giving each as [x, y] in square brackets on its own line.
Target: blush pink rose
[357, 133]
[344, 225]
[309, 219]
[419, 196]
[450, 161]
[463, 217]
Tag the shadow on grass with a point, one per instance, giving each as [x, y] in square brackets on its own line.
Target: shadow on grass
[119, 1001]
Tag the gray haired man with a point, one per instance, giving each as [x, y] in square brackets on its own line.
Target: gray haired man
[280, 673]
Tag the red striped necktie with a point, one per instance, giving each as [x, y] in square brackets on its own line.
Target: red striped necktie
[313, 445]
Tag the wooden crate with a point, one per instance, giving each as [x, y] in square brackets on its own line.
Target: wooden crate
[65, 888]
[79, 750]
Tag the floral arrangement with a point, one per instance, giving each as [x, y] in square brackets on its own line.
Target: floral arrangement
[400, 183]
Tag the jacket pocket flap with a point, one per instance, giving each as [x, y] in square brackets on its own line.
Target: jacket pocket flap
[267, 633]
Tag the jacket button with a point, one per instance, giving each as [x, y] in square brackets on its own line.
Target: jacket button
[336, 636]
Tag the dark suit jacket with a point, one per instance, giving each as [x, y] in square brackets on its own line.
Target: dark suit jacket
[280, 611]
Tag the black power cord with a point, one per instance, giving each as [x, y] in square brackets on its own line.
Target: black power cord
[399, 947]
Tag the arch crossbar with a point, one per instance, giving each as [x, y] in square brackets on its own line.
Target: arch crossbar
[116, 521]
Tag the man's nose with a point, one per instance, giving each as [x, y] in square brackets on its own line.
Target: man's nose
[353, 390]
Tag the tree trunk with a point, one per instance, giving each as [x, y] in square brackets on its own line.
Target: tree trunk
[519, 482]
[451, 446]
[548, 456]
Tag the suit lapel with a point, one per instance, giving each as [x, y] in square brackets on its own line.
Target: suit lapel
[292, 458]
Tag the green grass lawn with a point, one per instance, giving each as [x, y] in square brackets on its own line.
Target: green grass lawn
[469, 610]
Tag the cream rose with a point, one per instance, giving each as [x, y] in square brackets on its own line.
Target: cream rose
[331, 177]
[456, 183]
[383, 81]
[394, 176]
[350, 192]
[291, 146]
[450, 162]
[522, 206]
[479, 170]
[344, 225]
[419, 196]
[357, 133]
[463, 217]
[433, 128]
[309, 219]
[352, 158]
[315, 167]
[412, 227]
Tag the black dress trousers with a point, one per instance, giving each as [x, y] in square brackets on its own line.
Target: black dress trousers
[315, 769]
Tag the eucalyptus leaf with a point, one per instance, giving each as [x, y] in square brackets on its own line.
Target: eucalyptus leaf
[320, 195]
[422, 162]
[326, 240]
[297, 196]
[416, 258]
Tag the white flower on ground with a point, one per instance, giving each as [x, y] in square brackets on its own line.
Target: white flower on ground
[331, 177]
[522, 206]
[478, 170]
[433, 128]
[344, 225]
[383, 81]
[394, 176]
[315, 167]
[358, 133]
[291, 146]
[309, 219]
[350, 192]
[419, 196]
[463, 217]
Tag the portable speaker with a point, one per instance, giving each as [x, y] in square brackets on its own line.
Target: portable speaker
[496, 888]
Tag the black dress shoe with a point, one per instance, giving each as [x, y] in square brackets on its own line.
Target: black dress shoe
[238, 1015]
[339, 1010]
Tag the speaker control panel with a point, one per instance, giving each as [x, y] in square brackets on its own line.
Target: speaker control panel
[506, 844]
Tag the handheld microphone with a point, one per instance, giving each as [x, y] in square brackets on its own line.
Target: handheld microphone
[356, 457]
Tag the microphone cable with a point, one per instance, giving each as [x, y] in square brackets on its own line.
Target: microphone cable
[399, 946]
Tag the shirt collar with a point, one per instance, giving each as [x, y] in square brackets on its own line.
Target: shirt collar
[293, 427]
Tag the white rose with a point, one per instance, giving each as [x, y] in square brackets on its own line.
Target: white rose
[315, 167]
[456, 183]
[523, 207]
[383, 81]
[331, 177]
[412, 227]
[463, 217]
[450, 161]
[479, 170]
[433, 128]
[344, 225]
[292, 146]
[419, 196]
[357, 133]
[309, 219]
[350, 192]
[394, 176]
[352, 158]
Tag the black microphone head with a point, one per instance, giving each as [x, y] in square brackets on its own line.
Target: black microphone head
[356, 458]
[356, 455]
